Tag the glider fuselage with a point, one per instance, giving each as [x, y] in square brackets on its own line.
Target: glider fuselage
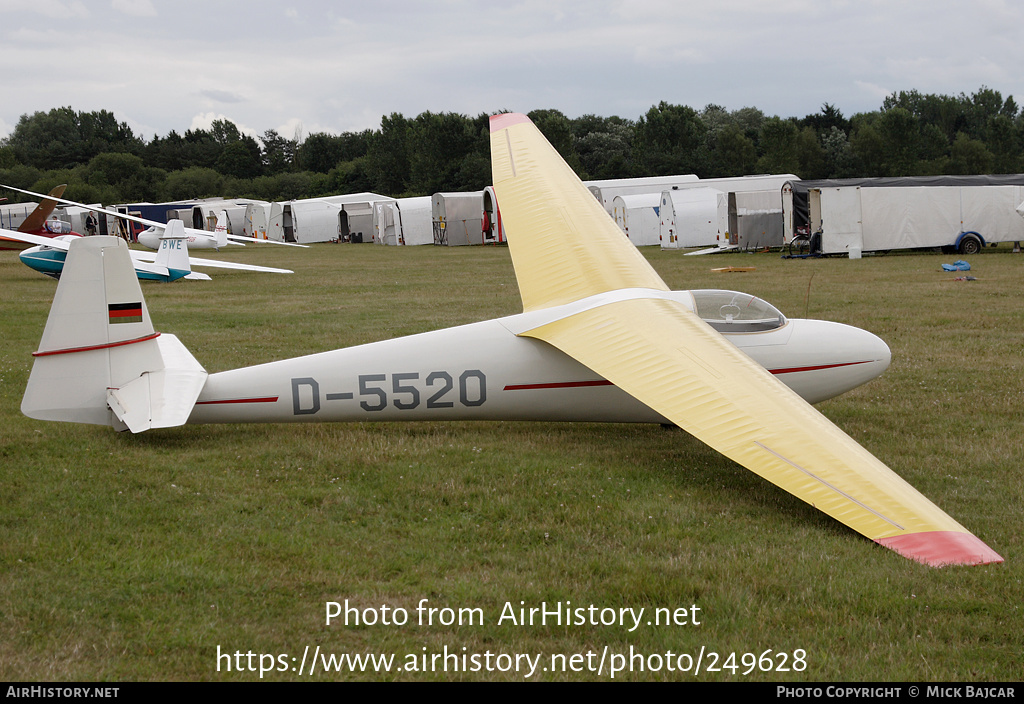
[196, 239]
[484, 371]
[50, 261]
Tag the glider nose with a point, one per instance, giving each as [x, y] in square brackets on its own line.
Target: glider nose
[832, 358]
[149, 238]
[875, 354]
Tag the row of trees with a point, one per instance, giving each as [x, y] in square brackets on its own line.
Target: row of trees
[912, 134]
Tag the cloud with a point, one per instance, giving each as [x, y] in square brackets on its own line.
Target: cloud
[873, 90]
[349, 64]
[292, 129]
[54, 9]
[135, 8]
[222, 96]
[205, 120]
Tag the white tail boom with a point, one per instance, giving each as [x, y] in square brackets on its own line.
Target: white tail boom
[100, 360]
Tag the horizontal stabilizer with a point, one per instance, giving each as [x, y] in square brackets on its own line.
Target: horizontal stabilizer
[162, 398]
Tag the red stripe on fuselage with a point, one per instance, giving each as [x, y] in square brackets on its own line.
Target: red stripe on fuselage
[266, 399]
[604, 382]
[793, 370]
[558, 385]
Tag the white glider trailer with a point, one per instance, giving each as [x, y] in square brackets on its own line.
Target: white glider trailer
[237, 212]
[638, 216]
[458, 218]
[850, 216]
[692, 217]
[203, 214]
[254, 222]
[406, 221]
[194, 212]
[345, 218]
[303, 221]
[13, 214]
[755, 219]
[745, 212]
[605, 191]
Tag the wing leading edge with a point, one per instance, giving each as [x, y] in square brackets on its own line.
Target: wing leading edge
[665, 356]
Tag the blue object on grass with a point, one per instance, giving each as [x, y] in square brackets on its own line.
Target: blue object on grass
[958, 265]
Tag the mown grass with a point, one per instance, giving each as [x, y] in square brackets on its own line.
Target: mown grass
[134, 557]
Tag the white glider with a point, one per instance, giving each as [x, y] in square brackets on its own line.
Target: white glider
[197, 239]
[170, 263]
[601, 338]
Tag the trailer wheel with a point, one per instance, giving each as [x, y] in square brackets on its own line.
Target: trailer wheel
[799, 246]
[970, 244]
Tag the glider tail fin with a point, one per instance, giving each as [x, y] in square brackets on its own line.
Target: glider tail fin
[173, 252]
[220, 230]
[100, 360]
[37, 218]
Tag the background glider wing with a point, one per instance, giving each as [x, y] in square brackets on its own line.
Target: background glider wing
[138, 257]
[133, 218]
[94, 208]
[242, 239]
[196, 261]
[665, 356]
[29, 238]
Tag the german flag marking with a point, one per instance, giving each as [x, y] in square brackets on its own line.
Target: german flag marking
[124, 312]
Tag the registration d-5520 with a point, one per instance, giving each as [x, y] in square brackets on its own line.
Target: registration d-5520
[404, 391]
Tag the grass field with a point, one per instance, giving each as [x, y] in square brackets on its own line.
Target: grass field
[144, 557]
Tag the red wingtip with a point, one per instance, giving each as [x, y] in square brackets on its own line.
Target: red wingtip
[506, 119]
[940, 548]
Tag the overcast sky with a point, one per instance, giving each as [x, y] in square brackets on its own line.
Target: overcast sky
[317, 66]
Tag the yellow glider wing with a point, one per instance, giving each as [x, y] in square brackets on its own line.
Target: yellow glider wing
[662, 354]
[657, 351]
[566, 247]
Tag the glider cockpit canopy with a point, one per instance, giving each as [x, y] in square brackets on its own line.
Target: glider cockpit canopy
[733, 312]
[57, 227]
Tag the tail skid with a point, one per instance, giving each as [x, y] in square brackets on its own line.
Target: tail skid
[99, 360]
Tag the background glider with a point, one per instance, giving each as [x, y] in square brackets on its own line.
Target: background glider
[197, 239]
[170, 263]
[39, 223]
